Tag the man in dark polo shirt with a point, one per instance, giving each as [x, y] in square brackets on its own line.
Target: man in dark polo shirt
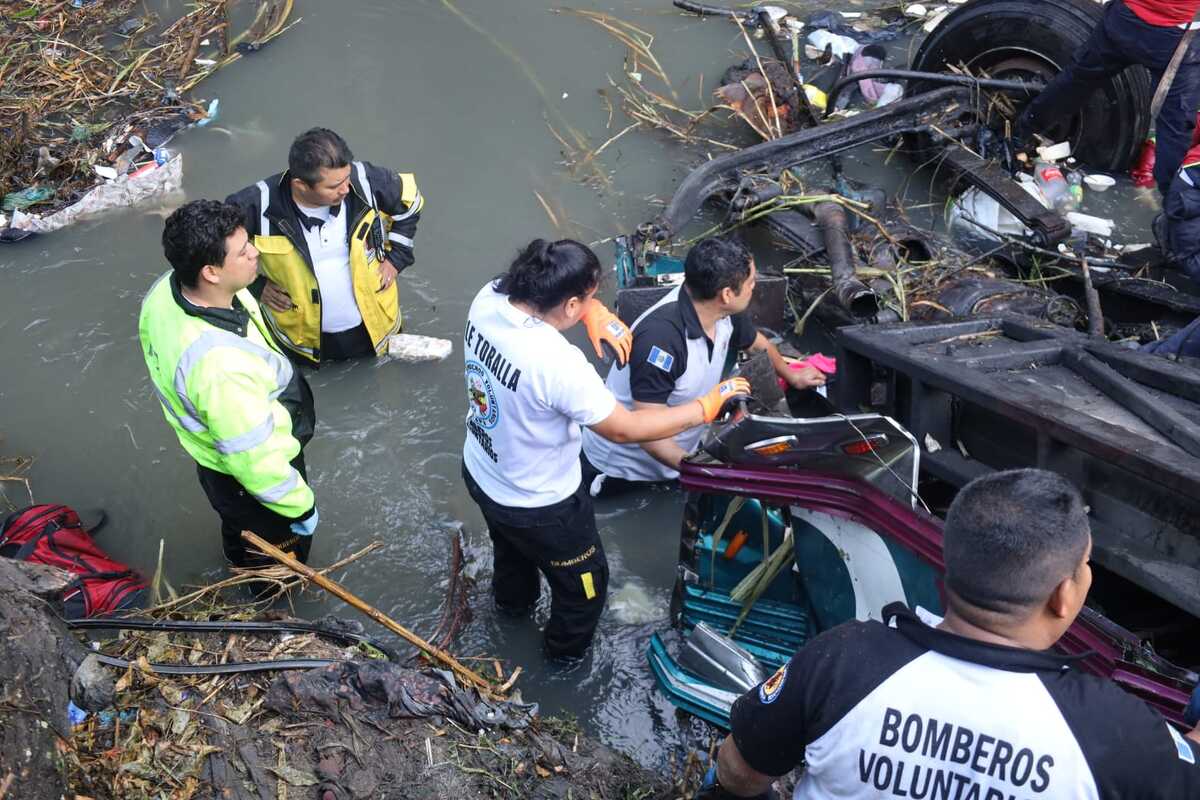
[681, 347]
[975, 706]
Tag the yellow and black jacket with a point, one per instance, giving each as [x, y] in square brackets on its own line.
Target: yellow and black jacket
[270, 218]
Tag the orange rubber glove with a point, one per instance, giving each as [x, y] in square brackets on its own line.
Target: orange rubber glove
[722, 393]
[604, 328]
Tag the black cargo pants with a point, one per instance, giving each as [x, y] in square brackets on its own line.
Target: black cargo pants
[560, 541]
[1121, 40]
[239, 511]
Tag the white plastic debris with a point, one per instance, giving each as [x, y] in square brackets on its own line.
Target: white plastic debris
[774, 13]
[1055, 152]
[1099, 183]
[843, 46]
[126, 190]
[916, 10]
[1086, 222]
[413, 348]
[935, 19]
[976, 217]
[931, 444]
[890, 94]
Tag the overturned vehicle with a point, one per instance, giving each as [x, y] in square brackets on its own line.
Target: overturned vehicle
[953, 361]
[796, 525]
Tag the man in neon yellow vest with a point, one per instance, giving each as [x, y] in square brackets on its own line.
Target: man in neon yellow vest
[332, 234]
[236, 404]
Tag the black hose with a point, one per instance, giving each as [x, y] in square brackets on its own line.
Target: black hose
[230, 668]
[802, 105]
[706, 10]
[228, 626]
[931, 77]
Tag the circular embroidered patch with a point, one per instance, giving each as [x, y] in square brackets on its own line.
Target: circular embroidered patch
[482, 398]
[770, 688]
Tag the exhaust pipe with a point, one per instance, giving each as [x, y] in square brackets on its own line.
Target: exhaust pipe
[850, 293]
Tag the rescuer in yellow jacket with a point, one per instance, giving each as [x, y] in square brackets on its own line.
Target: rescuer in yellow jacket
[332, 234]
[235, 401]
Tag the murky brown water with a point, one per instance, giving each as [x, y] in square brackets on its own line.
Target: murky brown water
[413, 86]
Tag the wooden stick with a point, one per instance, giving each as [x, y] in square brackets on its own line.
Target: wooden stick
[337, 590]
[1092, 297]
[1168, 76]
[508, 684]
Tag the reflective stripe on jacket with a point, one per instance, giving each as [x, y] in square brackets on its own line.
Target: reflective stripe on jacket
[284, 258]
[219, 389]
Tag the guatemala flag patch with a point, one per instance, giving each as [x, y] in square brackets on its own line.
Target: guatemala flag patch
[661, 358]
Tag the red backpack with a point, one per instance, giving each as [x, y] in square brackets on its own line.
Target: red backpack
[53, 534]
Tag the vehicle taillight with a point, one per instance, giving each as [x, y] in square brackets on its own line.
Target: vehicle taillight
[861, 447]
[774, 447]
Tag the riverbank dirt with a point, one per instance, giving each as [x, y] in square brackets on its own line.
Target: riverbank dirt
[363, 726]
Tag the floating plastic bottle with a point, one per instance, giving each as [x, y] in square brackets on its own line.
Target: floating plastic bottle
[1050, 180]
[1075, 186]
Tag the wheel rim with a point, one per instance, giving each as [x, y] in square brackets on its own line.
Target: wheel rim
[1019, 63]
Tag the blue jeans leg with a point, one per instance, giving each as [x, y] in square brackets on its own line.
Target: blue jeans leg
[1175, 124]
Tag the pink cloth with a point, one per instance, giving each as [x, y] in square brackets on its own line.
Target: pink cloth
[818, 361]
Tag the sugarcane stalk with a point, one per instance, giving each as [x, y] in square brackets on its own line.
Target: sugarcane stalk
[466, 673]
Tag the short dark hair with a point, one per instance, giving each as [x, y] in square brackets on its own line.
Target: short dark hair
[317, 149]
[1011, 537]
[195, 235]
[545, 274]
[714, 264]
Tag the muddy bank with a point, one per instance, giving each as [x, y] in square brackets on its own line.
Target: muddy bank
[361, 726]
[35, 649]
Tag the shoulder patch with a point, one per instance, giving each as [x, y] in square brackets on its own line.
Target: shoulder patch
[770, 688]
[660, 358]
[1182, 748]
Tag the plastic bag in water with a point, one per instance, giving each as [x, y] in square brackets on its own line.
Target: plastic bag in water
[412, 348]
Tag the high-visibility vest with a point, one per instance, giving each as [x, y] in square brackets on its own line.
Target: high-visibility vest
[219, 391]
[299, 328]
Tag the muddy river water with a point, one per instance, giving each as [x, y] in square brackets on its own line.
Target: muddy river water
[460, 94]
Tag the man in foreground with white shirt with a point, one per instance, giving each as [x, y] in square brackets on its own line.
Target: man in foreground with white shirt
[980, 706]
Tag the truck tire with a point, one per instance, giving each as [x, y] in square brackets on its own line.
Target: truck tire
[1035, 40]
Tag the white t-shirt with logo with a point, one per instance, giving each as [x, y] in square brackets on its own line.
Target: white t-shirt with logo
[528, 392]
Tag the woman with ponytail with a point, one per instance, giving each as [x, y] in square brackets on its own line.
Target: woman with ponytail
[528, 392]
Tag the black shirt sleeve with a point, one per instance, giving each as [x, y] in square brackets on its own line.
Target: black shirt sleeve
[744, 332]
[658, 359]
[248, 201]
[774, 723]
[1130, 748]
